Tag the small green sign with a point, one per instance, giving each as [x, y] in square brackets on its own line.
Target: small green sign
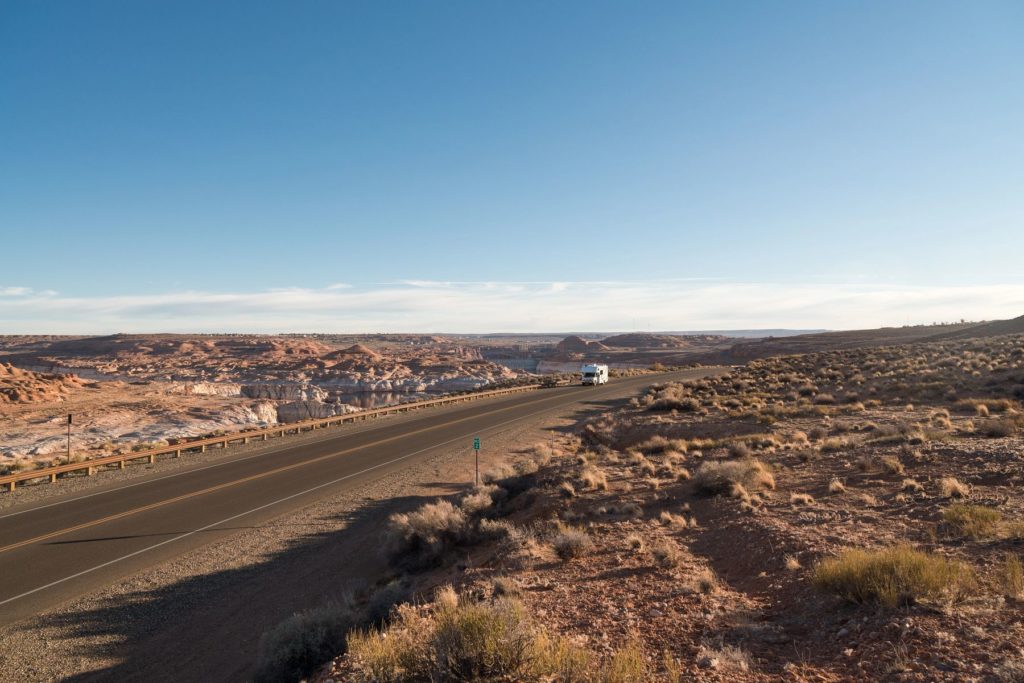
[476, 443]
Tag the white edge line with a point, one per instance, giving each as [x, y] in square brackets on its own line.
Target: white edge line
[256, 509]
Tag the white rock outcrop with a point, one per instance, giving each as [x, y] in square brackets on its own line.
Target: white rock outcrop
[284, 392]
[297, 411]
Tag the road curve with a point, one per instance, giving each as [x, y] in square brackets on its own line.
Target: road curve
[68, 545]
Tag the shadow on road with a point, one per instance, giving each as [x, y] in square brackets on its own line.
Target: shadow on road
[207, 627]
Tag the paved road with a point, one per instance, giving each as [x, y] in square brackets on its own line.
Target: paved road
[66, 546]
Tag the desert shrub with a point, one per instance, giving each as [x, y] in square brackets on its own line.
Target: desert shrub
[504, 586]
[833, 444]
[911, 486]
[473, 642]
[891, 464]
[718, 477]
[739, 450]
[836, 486]
[997, 429]
[461, 640]
[669, 519]
[892, 576]
[951, 487]
[723, 657]
[666, 554]
[300, 644]
[593, 479]
[479, 500]
[560, 659]
[706, 581]
[421, 538]
[1013, 575]
[570, 542]
[801, 499]
[631, 510]
[627, 665]
[660, 444]
[973, 521]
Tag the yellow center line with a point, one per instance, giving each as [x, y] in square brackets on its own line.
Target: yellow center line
[285, 468]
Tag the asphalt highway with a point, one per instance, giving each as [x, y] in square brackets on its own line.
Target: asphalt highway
[68, 545]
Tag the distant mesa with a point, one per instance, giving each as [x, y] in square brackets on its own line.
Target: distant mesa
[640, 340]
[575, 344]
[354, 350]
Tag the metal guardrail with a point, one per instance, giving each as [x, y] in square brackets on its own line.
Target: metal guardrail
[10, 481]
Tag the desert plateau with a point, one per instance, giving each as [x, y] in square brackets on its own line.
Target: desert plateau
[512, 342]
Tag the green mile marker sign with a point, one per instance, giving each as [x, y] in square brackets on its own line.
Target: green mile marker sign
[476, 443]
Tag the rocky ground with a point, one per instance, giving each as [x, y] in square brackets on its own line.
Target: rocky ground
[850, 515]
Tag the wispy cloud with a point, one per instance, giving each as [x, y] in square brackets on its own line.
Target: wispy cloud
[509, 306]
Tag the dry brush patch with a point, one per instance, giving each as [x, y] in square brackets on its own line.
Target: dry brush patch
[783, 460]
[894, 576]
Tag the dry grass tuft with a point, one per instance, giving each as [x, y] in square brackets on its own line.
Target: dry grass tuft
[669, 519]
[666, 554]
[719, 477]
[723, 657]
[801, 499]
[972, 521]
[570, 542]
[912, 486]
[893, 576]
[627, 665]
[1013, 576]
[836, 486]
[892, 465]
[594, 479]
[951, 487]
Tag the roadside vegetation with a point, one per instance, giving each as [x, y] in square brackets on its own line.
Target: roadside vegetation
[827, 516]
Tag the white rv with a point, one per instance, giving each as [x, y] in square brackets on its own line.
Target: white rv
[595, 374]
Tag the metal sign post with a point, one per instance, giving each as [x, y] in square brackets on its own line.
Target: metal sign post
[69, 438]
[476, 451]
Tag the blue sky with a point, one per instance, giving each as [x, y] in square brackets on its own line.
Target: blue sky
[837, 163]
